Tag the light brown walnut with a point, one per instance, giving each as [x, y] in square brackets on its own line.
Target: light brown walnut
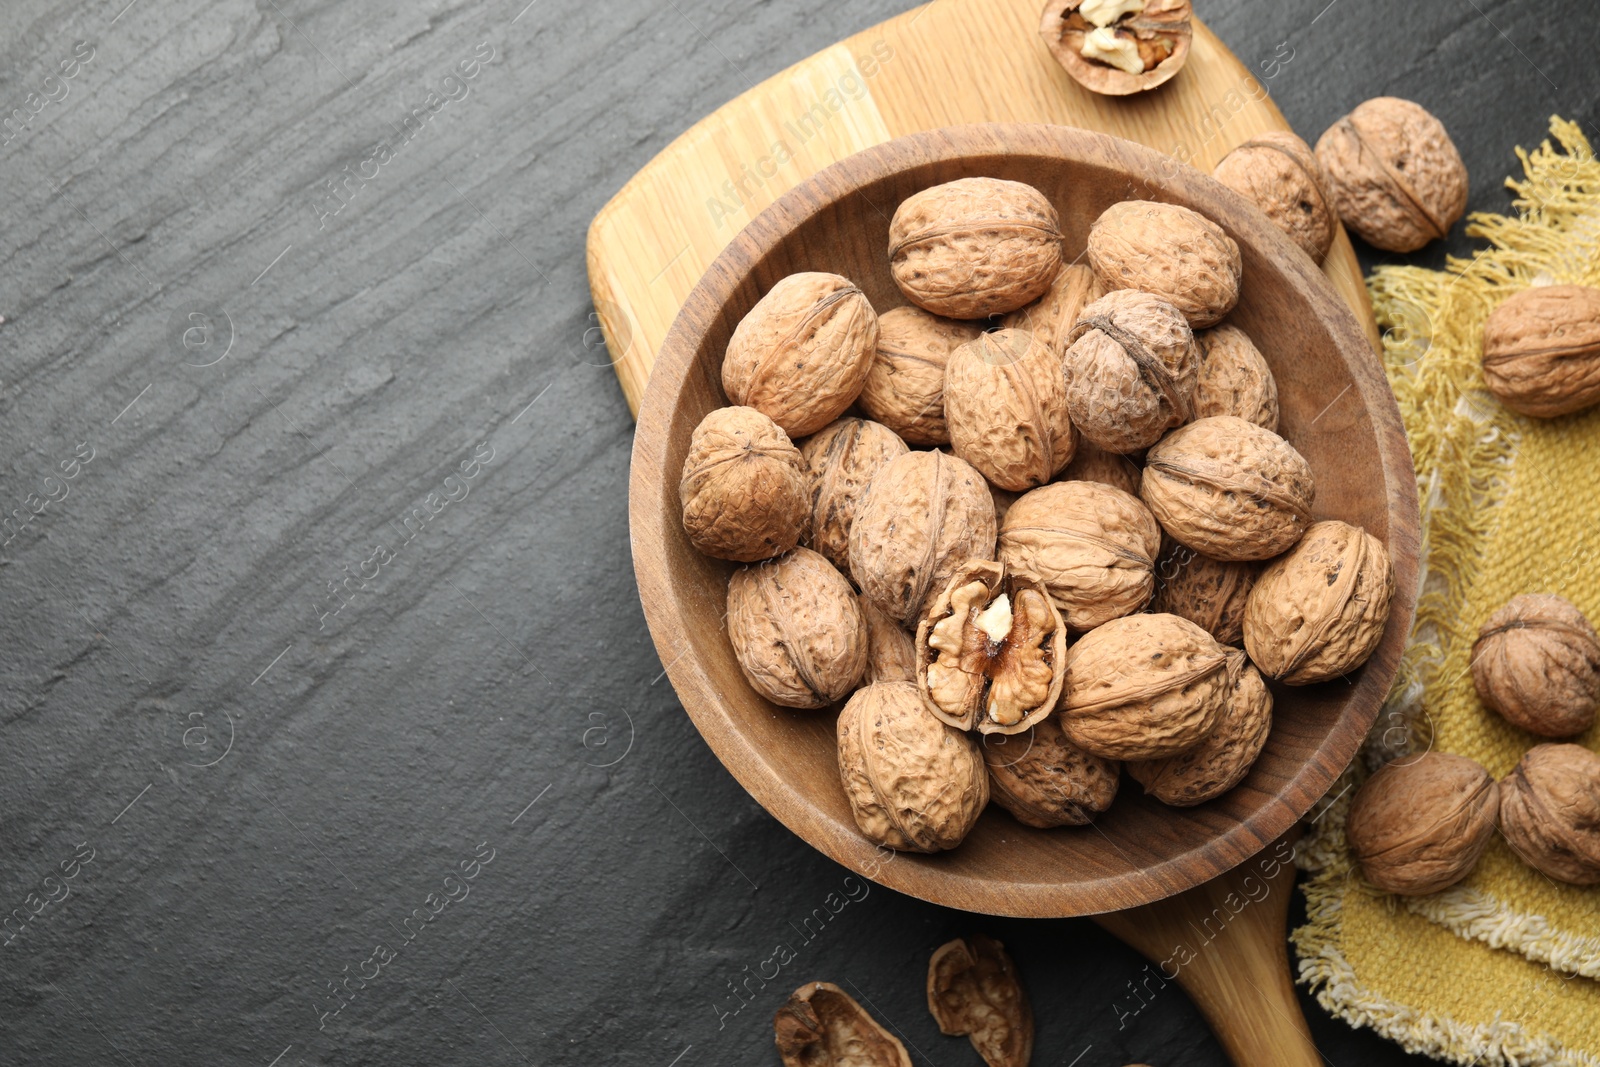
[1541, 350]
[904, 389]
[1169, 251]
[1279, 173]
[1006, 406]
[743, 487]
[821, 1025]
[1044, 780]
[1234, 378]
[1537, 662]
[1130, 371]
[841, 459]
[1051, 317]
[1550, 812]
[1091, 463]
[1225, 756]
[891, 651]
[797, 630]
[1419, 824]
[973, 989]
[1211, 593]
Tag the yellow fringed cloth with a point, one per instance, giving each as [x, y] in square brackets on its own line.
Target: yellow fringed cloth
[1503, 968]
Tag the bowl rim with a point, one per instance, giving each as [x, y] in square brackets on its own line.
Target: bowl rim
[1163, 179]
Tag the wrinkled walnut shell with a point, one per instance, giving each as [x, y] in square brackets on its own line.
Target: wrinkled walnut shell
[891, 652]
[841, 459]
[1234, 378]
[1550, 812]
[1051, 317]
[822, 1026]
[1211, 593]
[1225, 756]
[1537, 662]
[1541, 350]
[1159, 34]
[1091, 463]
[1044, 780]
[797, 630]
[743, 487]
[1006, 406]
[1130, 370]
[1279, 173]
[1169, 251]
[1419, 825]
[973, 989]
[904, 389]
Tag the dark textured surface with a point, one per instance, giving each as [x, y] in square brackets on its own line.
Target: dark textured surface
[268, 789]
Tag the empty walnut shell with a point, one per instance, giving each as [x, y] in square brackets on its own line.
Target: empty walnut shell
[904, 389]
[797, 630]
[1419, 825]
[1044, 780]
[1091, 463]
[1395, 174]
[1129, 371]
[1211, 593]
[1537, 662]
[841, 458]
[1225, 756]
[1006, 407]
[1550, 812]
[973, 989]
[1234, 378]
[991, 650]
[1228, 488]
[1127, 47]
[923, 516]
[1051, 317]
[1318, 612]
[913, 783]
[1144, 687]
[821, 1025]
[1279, 173]
[1541, 350]
[1169, 251]
[801, 354]
[1094, 548]
[743, 487]
[891, 652]
[974, 247]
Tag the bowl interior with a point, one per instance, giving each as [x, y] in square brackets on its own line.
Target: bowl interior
[1336, 409]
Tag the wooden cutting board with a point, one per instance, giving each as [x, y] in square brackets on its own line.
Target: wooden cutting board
[946, 63]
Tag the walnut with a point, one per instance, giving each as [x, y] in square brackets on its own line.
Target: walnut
[1537, 662]
[802, 353]
[1550, 812]
[1094, 548]
[1091, 463]
[913, 783]
[743, 487]
[1168, 251]
[1396, 176]
[904, 389]
[1118, 47]
[1006, 407]
[973, 989]
[1234, 378]
[891, 652]
[1211, 593]
[1051, 317]
[1419, 825]
[991, 650]
[1225, 756]
[924, 515]
[1228, 488]
[1129, 371]
[1279, 173]
[1144, 687]
[797, 630]
[841, 458]
[1044, 780]
[1541, 350]
[1318, 612]
[974, 247]
[821, 1025]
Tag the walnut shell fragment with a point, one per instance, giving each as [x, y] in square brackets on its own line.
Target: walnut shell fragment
[801, 354]
[743, 487]
[1118, 47]
[1234, 378]
[973, 989]
[1211, 593]
[1044, 780]
[1006, 406]
[1279, 173]
[1318, 612]
[1225, 756]
[904, 389]
[797, 630]
[1228, 488]
[1541, 350]
[1419, 825]
[913, 783]
[991, 651]
[1051, 317]
[841, 459]
[1537, 662]
[1130, 370]
[891, 652]
[821, 1025]
[974, 247]
[1550, 812]
[1169, 251]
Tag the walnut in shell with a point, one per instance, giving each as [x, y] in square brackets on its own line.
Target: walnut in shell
[1006, 407]
[1318, 612]
[991, 650]
[1170, 251]
[1537, 662]
[1091, 463]
[743, 487]
[974, 247]
[1051, 317]
[1144, 687]
[1396, 176]
[1118, 47]
[1541, 350]
[1044, 780]
[973, 989]
[1228, 488]
[924, 515]
[904, 389]
[1419, 825]
[1129, 370]
[1211, 593]
[1279, 173]
[1225, 756]
[1094, 548]
[891, 652]
[1234, 378]
[801, 354]
[913, 783]
[797, 630]
[1550, 812]
[841, 459]
[821, 1025]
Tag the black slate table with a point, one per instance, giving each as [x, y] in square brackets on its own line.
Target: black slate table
[332, 732]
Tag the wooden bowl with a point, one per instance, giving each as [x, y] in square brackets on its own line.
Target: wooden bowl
[1337, 410]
